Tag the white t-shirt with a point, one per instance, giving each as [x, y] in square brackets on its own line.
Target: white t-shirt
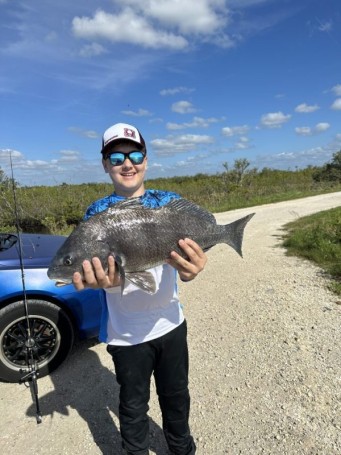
[135, 316]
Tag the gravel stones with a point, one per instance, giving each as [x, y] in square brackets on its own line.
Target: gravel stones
[265, 368]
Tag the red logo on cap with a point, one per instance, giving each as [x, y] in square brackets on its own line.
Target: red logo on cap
[129, 133]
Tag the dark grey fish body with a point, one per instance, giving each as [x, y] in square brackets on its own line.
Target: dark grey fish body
[141, 238]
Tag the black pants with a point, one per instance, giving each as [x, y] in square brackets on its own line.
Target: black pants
[167, 358]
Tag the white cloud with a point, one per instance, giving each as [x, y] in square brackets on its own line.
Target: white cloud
[305, 108]
[175, 91]
[179, 144]
[337, 89]
[176, 126]
[303, 131]
[126, 27]
[274, 119]
[159, 23]
[245, 3]
[336, 105]
[197, 122]
[321, 127]
[6, 153]
[93, 49]
[183, 107]
[314, 156]
[230, 131]
[222, 40]
[139, 113]
[156, 120]
[308, 131]
[68, 166]
[243, 143]
[91, 134]
[190, 16]
[325, 26]
[68, 156]
[37, 164]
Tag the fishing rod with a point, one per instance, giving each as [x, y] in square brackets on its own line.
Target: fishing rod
[31, 373]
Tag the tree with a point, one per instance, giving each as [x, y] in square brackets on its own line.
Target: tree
[3, 186]
[240, 167]
[330, 172]
[236, 175]
[3, 177]
[5, 181]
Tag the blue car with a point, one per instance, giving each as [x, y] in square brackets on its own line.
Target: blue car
[57, 315]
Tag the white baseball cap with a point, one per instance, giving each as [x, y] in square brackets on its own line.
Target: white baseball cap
[119, 132]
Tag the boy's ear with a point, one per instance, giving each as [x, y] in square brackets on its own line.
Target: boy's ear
[104, 164]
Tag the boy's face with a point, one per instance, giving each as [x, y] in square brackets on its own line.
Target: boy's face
[128, 178]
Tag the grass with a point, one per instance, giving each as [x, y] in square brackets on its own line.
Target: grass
[318, 238]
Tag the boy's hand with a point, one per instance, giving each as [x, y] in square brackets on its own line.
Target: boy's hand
[95, 276]
[188, 268]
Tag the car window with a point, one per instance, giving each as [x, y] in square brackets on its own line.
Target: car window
[7, 241]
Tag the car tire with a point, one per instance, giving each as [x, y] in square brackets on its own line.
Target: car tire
[51, 330]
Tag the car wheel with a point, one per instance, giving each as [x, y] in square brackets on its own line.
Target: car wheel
[52, 336]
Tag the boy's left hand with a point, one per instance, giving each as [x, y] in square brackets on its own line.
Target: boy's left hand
[188, 268]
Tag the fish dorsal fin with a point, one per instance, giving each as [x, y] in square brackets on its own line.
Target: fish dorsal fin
[175, 204]
[189, 207]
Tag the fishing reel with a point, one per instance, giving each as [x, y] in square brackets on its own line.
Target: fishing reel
[30, 375]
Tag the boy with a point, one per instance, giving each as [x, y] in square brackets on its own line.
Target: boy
[145, 334]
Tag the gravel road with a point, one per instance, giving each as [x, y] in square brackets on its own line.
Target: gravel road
[265, 369]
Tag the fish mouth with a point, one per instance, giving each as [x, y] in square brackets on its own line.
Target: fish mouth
[60, 283]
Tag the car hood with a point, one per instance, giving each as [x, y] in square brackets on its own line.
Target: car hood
[37, 250]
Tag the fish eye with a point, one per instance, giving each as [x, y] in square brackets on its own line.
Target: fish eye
[68, 260]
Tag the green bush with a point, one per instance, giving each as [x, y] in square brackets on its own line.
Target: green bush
[330, 171]
[318, 238]
[57, 209]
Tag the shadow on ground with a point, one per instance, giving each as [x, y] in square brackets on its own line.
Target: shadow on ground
[84, 384]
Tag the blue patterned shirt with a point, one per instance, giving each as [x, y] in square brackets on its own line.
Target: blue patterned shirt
[151, 199]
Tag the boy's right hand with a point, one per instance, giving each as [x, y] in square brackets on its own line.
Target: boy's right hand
[95, 276]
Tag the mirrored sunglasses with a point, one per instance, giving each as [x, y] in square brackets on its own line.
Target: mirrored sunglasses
[118, 158]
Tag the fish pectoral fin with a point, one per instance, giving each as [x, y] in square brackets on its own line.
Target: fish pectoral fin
[120, 268]
[143, 280]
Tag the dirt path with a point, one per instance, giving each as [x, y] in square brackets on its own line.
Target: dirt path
[264, 335]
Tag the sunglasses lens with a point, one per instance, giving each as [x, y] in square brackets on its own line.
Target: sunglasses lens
[136, 157]
[118, 158]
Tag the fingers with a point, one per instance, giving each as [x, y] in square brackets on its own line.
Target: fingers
[193, 251]
[77, 281]
[112, 270]
[94, 275]
[193, 264]
[93, 272]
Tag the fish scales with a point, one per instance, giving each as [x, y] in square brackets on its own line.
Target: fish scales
[141, 238]
[161, 230]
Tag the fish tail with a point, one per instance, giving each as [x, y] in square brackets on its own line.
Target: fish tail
[234, 233]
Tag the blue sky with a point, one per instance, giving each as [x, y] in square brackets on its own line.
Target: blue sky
[206, 81]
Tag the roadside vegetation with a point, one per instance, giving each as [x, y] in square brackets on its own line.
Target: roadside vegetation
[318, 238]
[58, 209]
